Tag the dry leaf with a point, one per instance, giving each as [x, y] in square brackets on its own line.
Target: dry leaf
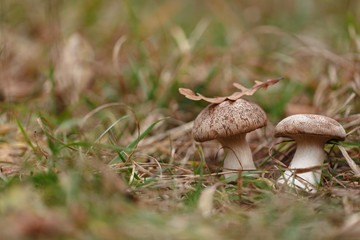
[6, 128]
[9, 170]
[12, 152]
[188, 93]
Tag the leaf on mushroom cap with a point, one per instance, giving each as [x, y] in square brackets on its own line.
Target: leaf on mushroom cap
[188, 93]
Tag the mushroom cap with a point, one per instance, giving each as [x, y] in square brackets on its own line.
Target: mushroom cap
[310, 124]
[227, 119]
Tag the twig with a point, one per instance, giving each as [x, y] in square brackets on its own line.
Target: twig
[350, 162]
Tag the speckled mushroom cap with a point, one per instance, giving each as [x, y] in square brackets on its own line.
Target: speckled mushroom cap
[310, 124]
[227, 119]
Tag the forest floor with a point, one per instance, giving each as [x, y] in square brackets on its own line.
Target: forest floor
[95, 138]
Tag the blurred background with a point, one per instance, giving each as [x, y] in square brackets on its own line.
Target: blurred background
[80, 54]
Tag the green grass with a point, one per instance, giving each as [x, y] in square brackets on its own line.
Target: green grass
[119, 161]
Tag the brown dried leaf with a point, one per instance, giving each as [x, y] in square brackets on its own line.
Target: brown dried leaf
[9, 170]
[188, 93]
[257, 86]
[6, 128]
[11, 153]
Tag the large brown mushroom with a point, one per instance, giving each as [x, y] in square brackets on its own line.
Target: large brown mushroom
[310, 132]
[229, 122]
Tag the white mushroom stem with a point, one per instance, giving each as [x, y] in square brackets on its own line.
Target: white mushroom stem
[239, 155]
[309, 154]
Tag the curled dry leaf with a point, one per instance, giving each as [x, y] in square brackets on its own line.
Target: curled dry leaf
[188, 93]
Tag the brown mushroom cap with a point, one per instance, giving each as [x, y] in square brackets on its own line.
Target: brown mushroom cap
[310, 124]
[227, 119]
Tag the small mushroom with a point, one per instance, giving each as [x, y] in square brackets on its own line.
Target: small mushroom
[228, 122]
[311, 132]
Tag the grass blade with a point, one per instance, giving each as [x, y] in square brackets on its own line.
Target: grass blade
[27, 138]
[134, 143]
[107, 130]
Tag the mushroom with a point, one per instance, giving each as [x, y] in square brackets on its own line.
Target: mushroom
[228, 122]
[311, 132]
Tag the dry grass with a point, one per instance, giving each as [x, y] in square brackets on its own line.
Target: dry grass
[84, 85]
